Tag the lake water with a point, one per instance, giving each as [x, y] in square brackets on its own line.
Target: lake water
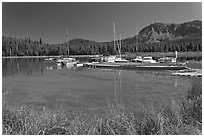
[36, 82]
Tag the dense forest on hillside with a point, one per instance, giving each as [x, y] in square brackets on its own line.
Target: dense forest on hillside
[157, 37]
[27, 47]
[158, 32]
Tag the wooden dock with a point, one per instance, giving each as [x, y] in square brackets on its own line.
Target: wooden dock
[189, 72]
[136, 66]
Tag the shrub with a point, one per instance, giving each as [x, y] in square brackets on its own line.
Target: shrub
[178, 117]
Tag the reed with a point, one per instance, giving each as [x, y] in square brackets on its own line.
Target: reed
[179, 117]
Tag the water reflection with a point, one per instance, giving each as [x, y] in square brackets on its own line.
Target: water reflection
[118, 84]
[176, 83]
[86, 87]
[28, 66]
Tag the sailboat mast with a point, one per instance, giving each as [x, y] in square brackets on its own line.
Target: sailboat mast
[120, 46]
[67, 42]
[136, 37]
[114, 35]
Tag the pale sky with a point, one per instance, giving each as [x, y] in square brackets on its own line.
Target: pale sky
[92, 21]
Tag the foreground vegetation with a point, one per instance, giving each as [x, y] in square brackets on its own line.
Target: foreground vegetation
[183, 116]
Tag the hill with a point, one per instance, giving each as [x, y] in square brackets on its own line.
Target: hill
[157, 37]
[158, 32]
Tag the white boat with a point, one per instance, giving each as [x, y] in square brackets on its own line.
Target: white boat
[167, 60]
[114, 58]
[110, 59]
[137, 59]
[59, 62]
[120, 59]
[148, 59]
[70, 62]
[49, 59]
[79, 64]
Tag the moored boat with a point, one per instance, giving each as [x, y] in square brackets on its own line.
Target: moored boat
[112, 59]
[59, 62]
[70, 62]
[116, 58]
[66, 60]
[137, 59]
[49, 59]
[167, 60]
[148, 59]
[120, 59]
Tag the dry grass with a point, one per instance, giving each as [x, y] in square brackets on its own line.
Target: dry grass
[178, 118]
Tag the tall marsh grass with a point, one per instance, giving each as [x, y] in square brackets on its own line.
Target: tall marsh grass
[178, 118]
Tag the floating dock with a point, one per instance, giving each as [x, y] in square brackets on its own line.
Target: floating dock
[136, 66]
[189, 72]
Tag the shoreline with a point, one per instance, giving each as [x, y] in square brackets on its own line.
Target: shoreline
[82, 56]
[154, 54]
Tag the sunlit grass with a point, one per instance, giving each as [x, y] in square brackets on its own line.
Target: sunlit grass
[179, 117]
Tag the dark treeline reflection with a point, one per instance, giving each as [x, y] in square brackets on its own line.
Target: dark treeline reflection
[28, 66]
[22, 66]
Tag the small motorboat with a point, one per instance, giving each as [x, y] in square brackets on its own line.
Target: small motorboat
[120, 59]
[137, 59]
[69, 62]
[110, 59]
[148, 59]
[59, 62]
[49, 59]
[167, 60]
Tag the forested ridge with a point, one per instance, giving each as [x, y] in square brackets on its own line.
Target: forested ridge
[159, 38]
[27, 47]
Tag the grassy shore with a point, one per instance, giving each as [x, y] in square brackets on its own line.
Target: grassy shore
[180, 117]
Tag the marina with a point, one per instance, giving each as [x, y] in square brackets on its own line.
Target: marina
[146, 63]
[124, 68]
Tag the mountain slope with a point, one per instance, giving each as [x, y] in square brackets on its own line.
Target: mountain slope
[158, 32]
[157, 37]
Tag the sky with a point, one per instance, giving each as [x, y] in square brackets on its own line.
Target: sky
[92, 21]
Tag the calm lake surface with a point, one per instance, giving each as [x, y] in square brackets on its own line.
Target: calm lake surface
[36, 82]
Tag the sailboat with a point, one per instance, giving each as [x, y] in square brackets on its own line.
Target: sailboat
[67, 61]
[138, 58]
[115, 58]
[120, 59]
[168, 59]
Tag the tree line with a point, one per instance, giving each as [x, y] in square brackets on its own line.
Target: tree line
[27, 47]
